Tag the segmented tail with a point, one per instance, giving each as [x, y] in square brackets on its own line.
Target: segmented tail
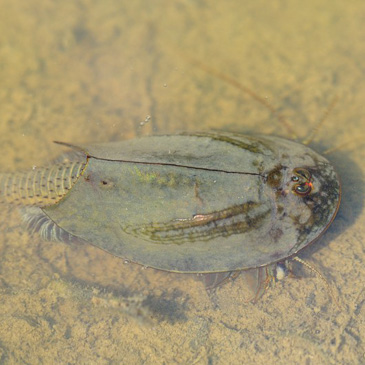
[41, 186]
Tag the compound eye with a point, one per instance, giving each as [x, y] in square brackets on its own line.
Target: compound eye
[303, 189]
[300, 172]
[303, 180]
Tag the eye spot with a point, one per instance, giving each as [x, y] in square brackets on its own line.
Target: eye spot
[106, 184]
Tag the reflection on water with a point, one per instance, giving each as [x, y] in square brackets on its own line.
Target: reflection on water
[103, 71]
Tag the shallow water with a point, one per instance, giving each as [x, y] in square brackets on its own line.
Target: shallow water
[104, 71]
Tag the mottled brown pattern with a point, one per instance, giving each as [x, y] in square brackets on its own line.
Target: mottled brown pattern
[274, 177]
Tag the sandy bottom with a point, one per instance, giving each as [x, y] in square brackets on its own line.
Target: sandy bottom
[102, 71]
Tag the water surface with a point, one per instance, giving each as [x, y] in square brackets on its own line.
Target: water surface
[89, 71]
